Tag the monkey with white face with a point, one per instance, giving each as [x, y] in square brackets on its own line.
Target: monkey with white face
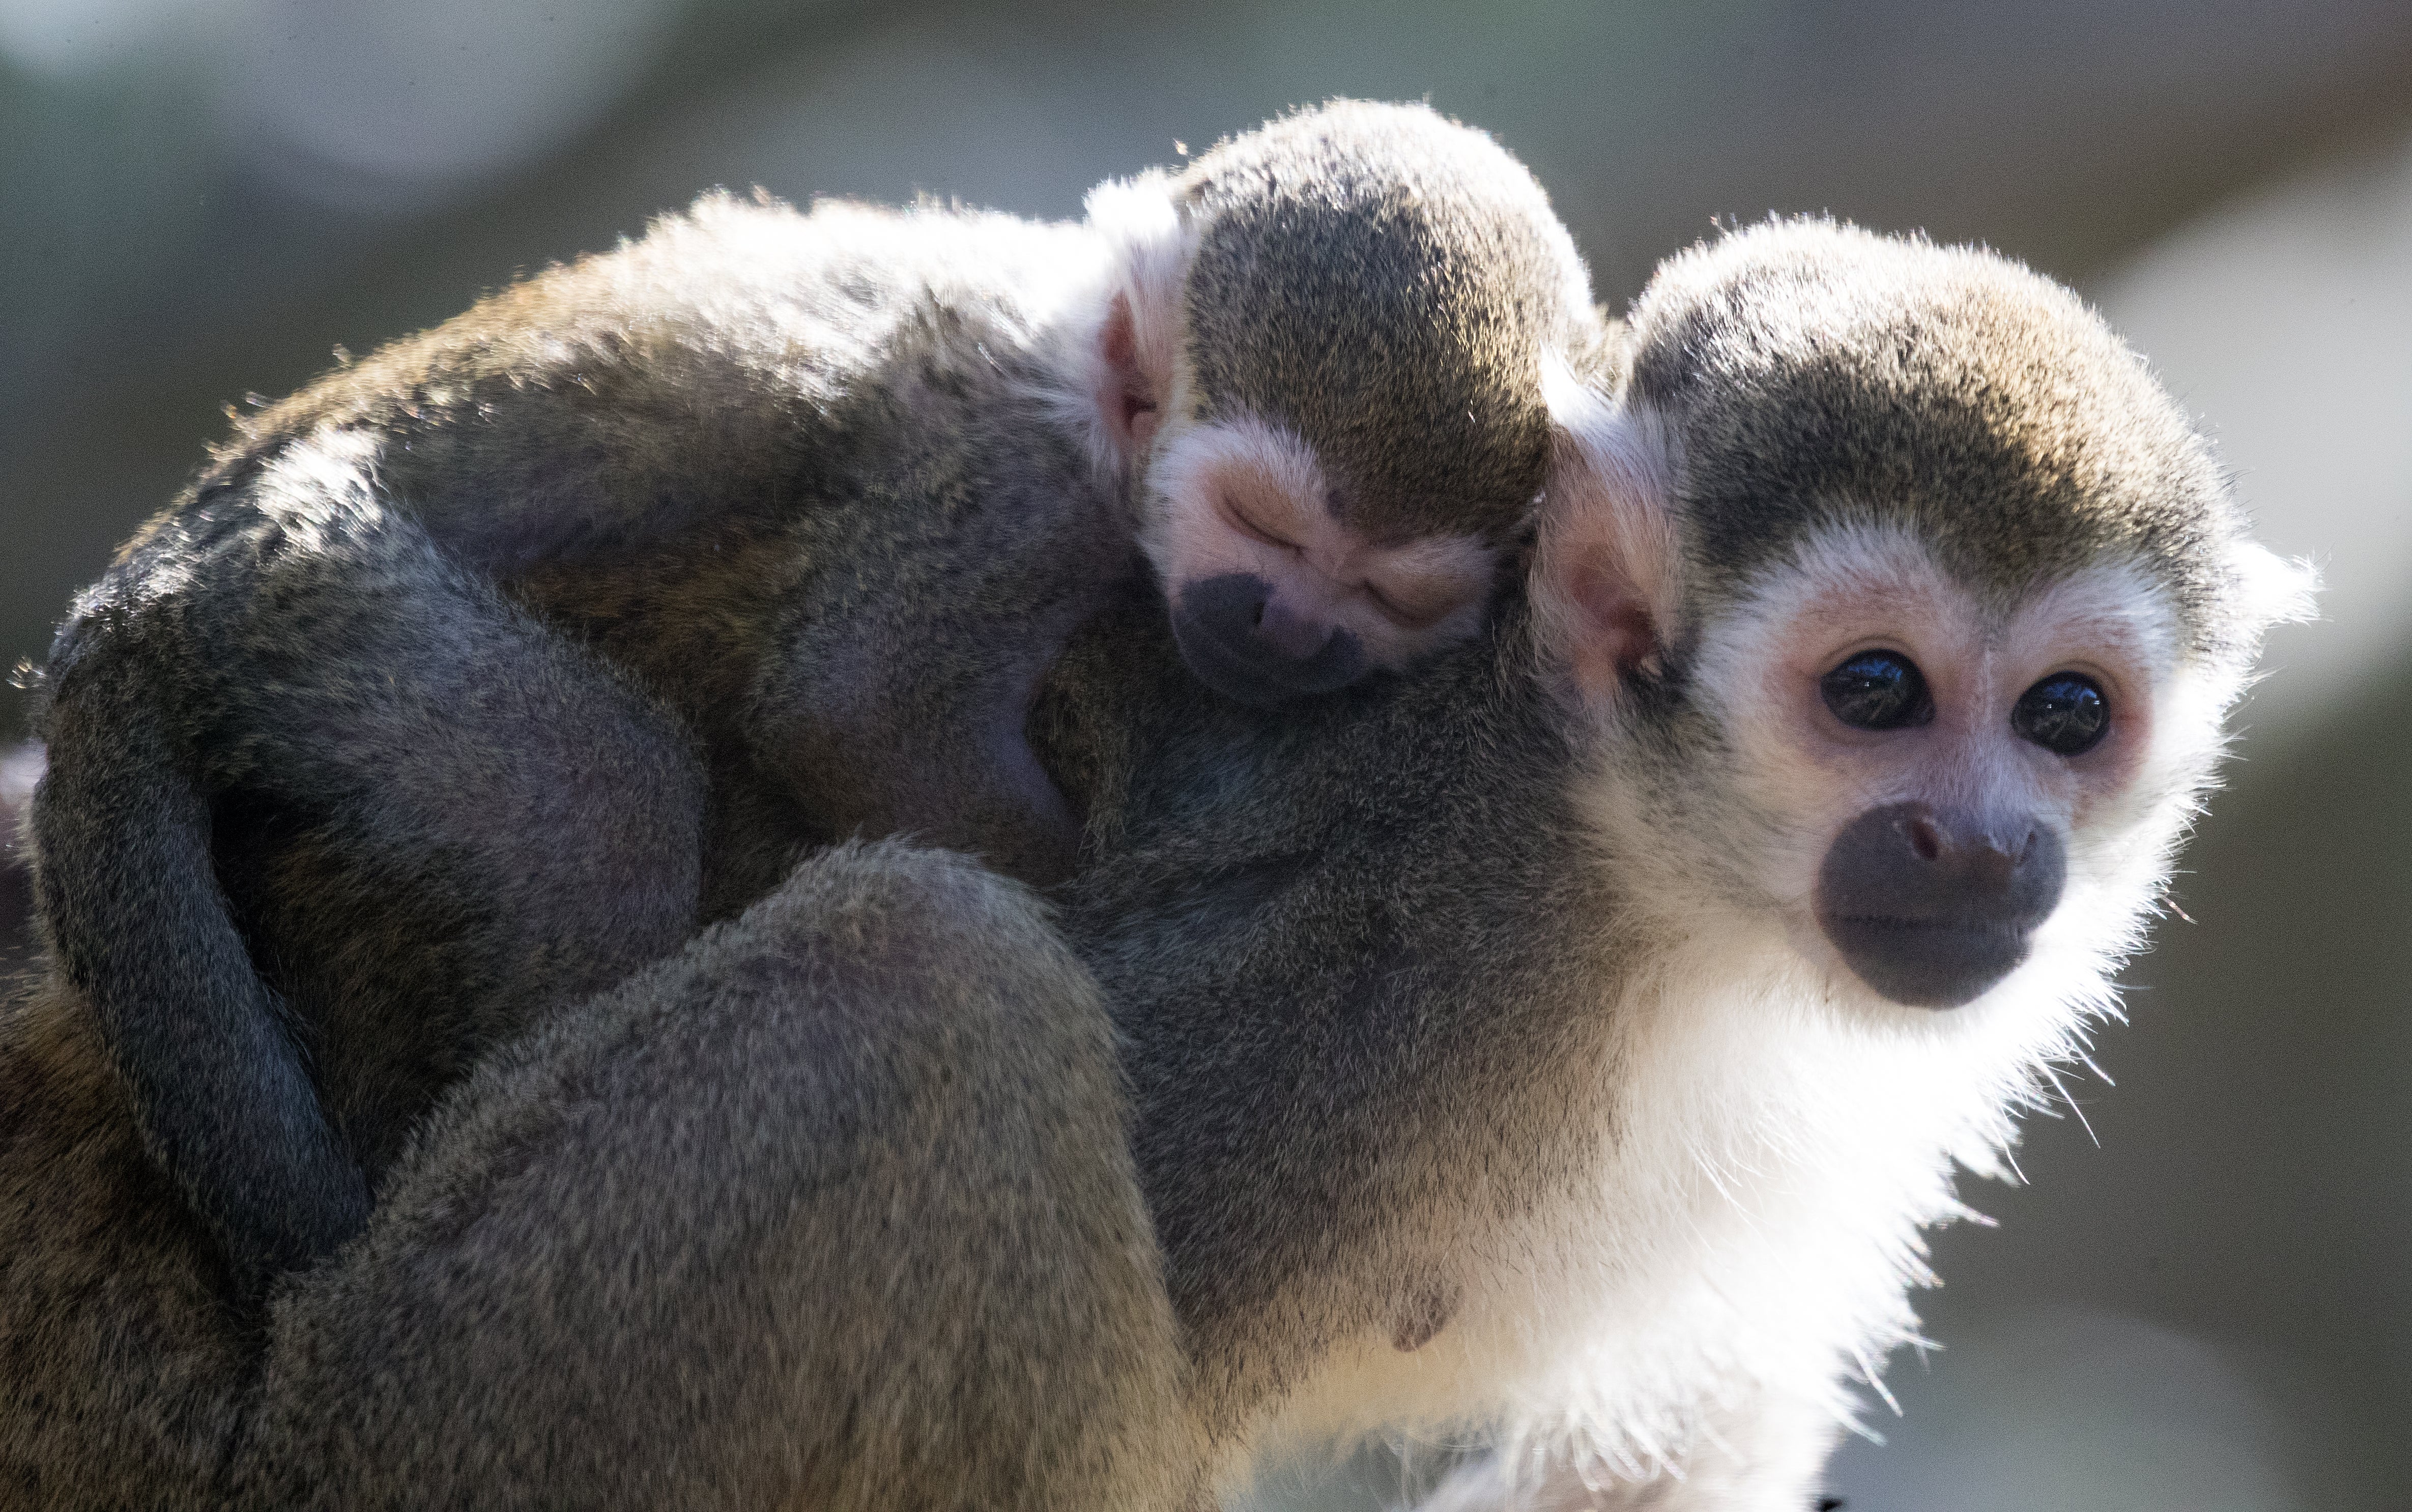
[477, 673]
[1882, 621]
[1354, 426]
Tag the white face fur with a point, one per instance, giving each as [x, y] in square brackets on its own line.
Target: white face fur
[1916, 780]
[1245, 504]
[1862, 681]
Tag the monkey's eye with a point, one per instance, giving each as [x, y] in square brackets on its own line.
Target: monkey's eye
[1877, 690]
[1250, 526]
[1410, 610]
[2065, 713]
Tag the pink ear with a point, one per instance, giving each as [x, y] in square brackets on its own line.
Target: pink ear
[1605, 581]
[1129, 399]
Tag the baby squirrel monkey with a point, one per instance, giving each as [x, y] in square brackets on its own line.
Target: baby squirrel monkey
[471, 677]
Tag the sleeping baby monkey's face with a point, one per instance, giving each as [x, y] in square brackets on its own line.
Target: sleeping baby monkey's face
[1275, 593]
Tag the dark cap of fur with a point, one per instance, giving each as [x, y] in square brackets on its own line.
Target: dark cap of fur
[1812, 373]
[1385, 283]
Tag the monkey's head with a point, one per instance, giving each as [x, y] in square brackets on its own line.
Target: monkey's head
[1323, 363]
[1913, 604]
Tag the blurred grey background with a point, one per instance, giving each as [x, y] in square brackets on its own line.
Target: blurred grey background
[2201, 1305]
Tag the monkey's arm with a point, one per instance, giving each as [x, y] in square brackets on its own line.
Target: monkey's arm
[898, 697]
[324, 817]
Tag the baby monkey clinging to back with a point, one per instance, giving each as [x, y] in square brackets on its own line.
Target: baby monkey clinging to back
[385, 737]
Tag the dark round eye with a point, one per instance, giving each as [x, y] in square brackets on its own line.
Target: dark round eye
[1877, 690]
[2065, 713]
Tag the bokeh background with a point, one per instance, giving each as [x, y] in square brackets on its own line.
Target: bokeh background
[2199, 1302]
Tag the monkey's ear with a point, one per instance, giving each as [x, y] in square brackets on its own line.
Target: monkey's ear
[1606, 578]
[1130, 398]
[1148, 246]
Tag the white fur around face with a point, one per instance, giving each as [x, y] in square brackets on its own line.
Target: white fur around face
[1245, 496]
[1773, 1136]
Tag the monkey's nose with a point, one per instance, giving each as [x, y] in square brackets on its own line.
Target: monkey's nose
[1287, 633]
[1244, 644]
[1932, 907]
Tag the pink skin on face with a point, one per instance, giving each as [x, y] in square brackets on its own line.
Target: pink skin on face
[1976, 667]
[1813, 775]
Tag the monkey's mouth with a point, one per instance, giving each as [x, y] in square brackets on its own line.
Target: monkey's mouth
[1928, 963]
[1931, 906]
[1260, 680]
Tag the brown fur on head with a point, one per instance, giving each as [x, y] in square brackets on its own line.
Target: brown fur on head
[1386, 282]
[1813, 375]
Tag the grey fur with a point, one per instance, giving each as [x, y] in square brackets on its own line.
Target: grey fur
[884, 1251]
[1809, 371]
[1353, 956]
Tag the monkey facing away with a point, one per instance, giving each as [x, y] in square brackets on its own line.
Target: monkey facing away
[470, 678]
[1547, 1048]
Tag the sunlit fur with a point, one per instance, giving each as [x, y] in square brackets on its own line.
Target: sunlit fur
[1145, 249]
[1427, 387]
[1609, 535]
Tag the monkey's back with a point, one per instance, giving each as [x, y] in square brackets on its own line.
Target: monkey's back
[672, 417]
[681, 457]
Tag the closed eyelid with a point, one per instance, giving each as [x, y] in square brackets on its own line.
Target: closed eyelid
[1406, 613]
[1422, 607]
[1250, 525]
[1261, 504]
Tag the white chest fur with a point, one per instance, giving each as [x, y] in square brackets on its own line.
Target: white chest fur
[1766, 1161]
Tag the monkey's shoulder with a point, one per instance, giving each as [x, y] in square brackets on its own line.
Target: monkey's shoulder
[741, 360]
[742, 304]
[1448, 783]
